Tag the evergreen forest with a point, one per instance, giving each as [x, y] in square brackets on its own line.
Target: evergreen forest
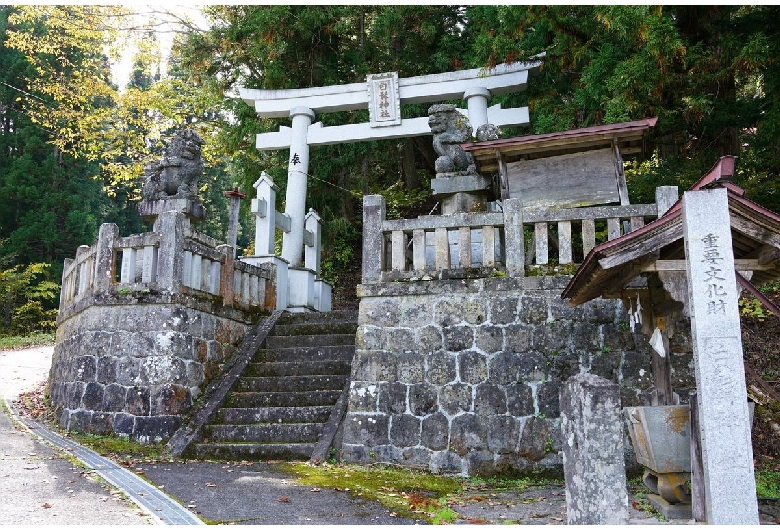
[74, 141]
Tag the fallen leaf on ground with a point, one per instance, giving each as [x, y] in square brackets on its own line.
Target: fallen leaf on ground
[283, 499]
[46, 505]
[210, 485]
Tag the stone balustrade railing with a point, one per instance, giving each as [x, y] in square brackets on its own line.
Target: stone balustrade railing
[176, 259]
[431, 247]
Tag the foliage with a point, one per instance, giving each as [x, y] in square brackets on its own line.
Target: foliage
[26, 299]
[752, 308]
[768, 483]
[26, 341]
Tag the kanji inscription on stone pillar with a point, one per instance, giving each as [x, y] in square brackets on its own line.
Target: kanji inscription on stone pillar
[727, 455]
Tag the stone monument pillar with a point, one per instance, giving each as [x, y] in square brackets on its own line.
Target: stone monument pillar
[593, 461]
[297, 173]
[724, 424]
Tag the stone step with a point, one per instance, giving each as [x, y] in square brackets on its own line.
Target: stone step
[254, 451]
[307, 341]
[245, 416]
[282, 399]
[281, 369]
[295, 353]
[264, 433]
[314, 328]
[329, 317]
[302, 383]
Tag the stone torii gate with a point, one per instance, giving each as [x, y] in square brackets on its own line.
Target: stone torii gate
[382, 94]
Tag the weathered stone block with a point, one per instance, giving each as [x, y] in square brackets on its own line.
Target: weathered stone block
[446, 462]
[516, 338]
[369, 338]
[503, 434]
[74, 393]
[467, 432]
[106, 369]
[503, 368]
[169, 400]
[455, 398]
[415, 457]
[101, 423]
[404, 430]
[79, 421]
[416, 313]
[593, 462]
[458, 338]
[429, 339]
[561, 310]
[504, 310]
[441, 368]
[153, 429]
[489, 400]
[423, 399]
[480, 463]
[124, 424]
[373, 365]
[383, 312]
[547, 398]
[363, 396]
[536, 439]
[617, 338]
[585, 337]
[162, 369]
[366, 429]
[552, 337]
[114, 396]
[138, 402]
[195, 374]
[473, 367]
[128, 370]
[602, 311]
[86, 368]
[519, 400]
[435, 432]
[399, 340]
[489, 339]
[533, 310]
[410, 368]
[93, 396]
[392, 398]
[447, 313]
[511, 463]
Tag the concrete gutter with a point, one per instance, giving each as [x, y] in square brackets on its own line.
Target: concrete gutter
[158, 505]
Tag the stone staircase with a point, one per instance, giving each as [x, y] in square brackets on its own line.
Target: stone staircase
[278, 407]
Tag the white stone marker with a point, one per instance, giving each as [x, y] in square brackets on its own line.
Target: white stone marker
[727, 453]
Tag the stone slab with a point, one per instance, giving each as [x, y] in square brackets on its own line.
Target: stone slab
[671, 512]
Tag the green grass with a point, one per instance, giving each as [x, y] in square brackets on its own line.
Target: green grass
[120, 447]
[768, 483]
[405, 492]
[35, 339]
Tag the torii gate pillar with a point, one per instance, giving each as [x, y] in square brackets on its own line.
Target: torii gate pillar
[297, 171]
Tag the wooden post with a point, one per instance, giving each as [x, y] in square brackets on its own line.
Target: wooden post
[662, 373]
[698, 506]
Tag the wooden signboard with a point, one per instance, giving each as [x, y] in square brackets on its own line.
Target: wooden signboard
[567, 181]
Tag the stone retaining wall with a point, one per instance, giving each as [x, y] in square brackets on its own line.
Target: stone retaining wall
[463, 376]
[132, 363]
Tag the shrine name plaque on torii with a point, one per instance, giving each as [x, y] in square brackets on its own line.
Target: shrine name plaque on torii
[382, 94]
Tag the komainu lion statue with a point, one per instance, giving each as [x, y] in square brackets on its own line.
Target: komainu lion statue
[177, 174]
[450, 129]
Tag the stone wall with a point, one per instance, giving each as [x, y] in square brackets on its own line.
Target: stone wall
[133, 367]
[463, 376]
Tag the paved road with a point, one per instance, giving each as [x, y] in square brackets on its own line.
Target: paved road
[38, 484]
